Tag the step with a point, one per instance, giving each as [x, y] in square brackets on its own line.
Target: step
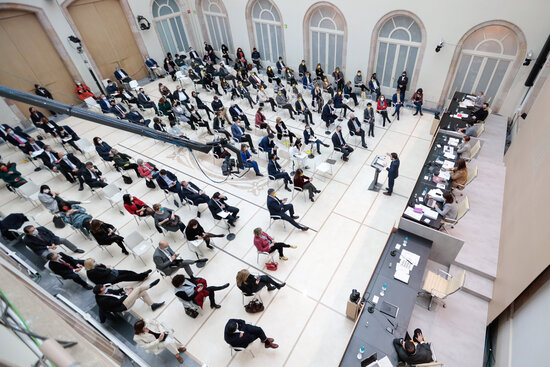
[474, 283]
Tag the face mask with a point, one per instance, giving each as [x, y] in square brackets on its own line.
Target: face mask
[275, 194]
[382, 98]
[46, 191]
[4, 169]
[299, 99]
[358, 73]
[35, 232]
[99, 142]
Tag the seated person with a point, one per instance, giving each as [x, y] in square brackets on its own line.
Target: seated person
[450, 209]
[68, 136]
[464, 148]
[307, 82]
[239, 334]
[168, 181]
[297, 155]
[11, 176]
[193, 193]
[279, 208]
[354, 127]
[103, 149]
[301, 107]
[102, 274]
[260, 121]
[104, 103]
[410, 353]
[120, 300]
[237, 114]
[282, 102]
[479, 115]
[194, 232]
[165, 218]
[49, 158]
[92, 176]
[459, 174]
[154, 67]
[266, 243]
[217, 205]
[122, 161]
[340, 144]
[83, 91]
[309, 138]
[274, 170]
[51, 199]
[112, 88]
[154, 337]
[470, 130]
[105, 235]
[76, 216]
[327, 114]
[304, 182]
[195, 290]
[67, 267]
[248, 161]
[219, 124]
[339, 102]
[250, 284]
[32, 147]
[136, 117]
[267, 144]
[118, 110]
[283, 131]
[240, 136]
[16, 137]
[40, 240]
[348, 92]
[169, 262]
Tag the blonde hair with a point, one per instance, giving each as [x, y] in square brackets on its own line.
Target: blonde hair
[242, 276]
[257, 232]
[157, 207]
[89, 263]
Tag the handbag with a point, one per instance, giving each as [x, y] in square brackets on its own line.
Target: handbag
[58, 222]
[191, 313]
[173, 222]
[254, 306]
[150, 184]
[127, 179]
[271, 266]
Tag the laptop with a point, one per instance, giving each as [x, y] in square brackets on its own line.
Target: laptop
[389, 309]
[369, 361]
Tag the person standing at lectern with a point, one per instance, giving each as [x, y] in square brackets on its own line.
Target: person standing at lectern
[393, 172]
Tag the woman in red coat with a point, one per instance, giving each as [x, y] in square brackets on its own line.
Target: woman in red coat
[382, 109]
[196, 290]
[264, 243]
[304, 183]
[137, 207]
[261, 123]
[83, 91]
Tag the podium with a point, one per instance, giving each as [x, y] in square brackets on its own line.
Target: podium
[378, 165]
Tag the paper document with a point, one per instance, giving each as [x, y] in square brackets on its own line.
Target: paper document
[411, 256]
[403, 265]
[435, 193]
[441, 186]
[444, 175]
[67, 139]
[404, 277]
[449, 155]
[37, 153]
[375, 299]
[448, 164]
[384, 362]
[453, 142]
[223, 214]
[411, 213]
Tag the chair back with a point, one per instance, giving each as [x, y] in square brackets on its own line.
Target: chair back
[85, 145]
[91, 103]
[480, 129]
[179, 74]
[475, 149]
[455, 283]
[134, 84]
[472, 173]
[133, 239]
[463, 207]
[29, 190]
[111, 190]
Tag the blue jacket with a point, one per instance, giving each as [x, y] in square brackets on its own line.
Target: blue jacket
[280, 66]
[105, 105]
[393, 169]
[394, 98]
[274, 206]
[103, 150]
[371, 85]
[151, 63]
[273, 168]
[118, 75]
[306, 81]
[266, 144]
[162, 183]
[237, 131]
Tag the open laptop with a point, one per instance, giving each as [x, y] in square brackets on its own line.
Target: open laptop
[370, 361]
[389, 309]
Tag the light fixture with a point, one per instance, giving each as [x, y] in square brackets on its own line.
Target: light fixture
[144, 24]
[439, 46]
[528, 58]
[77, 42]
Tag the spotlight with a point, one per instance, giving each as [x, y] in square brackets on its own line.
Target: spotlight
[439, 46]
[144, 24]
[528, 58]
[77, 42]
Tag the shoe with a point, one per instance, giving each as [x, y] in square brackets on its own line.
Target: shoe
[281, 285]
[80, 188]
[249, 129]
[305, 228]
[198, 214]
[271, 340]
[176, 204]
[153, 283]
[312, 200]
[287, 189]
[180, 360]
[125, 252]
[215, 306]
[271, 288]
[182, 349]
[414, 114]
[259, 174]
[225, 286]
[149, 271]
[88, 287]
[326, 145]
[293, 246]
[271, 345]
[387, 193]
[203, 260]
[283, 258]
[255, 151]
[317, 191]
[210, 247]
[312, 123]
[345, 159]
[295, 216]
[155, 306]
[79, 251]
[364, 146]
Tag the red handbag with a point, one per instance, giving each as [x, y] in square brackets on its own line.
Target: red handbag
[271, 266]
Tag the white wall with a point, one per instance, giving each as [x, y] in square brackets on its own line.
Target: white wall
[522, 338]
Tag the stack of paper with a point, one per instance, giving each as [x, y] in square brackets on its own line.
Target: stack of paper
[453, 142]
[449, 155]
[435, 193]
[448, 164]
[444, 175]
[411, 213]
[432, 214]
[411, 256]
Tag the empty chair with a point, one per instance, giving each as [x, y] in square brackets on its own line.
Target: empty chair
[442, 285]
[475, 149]
[480, 129]
[137, 245]
[29, 191]
[134, 85]
[85, 146]
[180, 76]
[113, 193]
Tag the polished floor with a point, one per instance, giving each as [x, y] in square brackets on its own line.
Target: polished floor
[349, 227]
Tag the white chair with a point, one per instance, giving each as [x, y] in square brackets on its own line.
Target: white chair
[114, 194]
[240, 349]
[273, 218]
[194, 247]
[29, 191]
[134, 85]
[268, 256]
[180, 76]
[137, 245]
[299, 189]
[138, 219]
[85, 146]
[92, 104]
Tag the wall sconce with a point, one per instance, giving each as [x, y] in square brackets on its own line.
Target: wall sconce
[144, 24]
[439, 46]
[528, 58]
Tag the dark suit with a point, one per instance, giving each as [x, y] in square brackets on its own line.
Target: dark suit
[176, 188]
[119, 111]
[266, 144]
[105, 105]
[423, 353]
[39, 244]
[136, 117]
[250, 333]
[397, 101]
[122, 76]
[49, 159]
[402, 82]
[64, 267]
[301, 107]
[191, 192]
[169, 266]
[393, 173]
[67, 170]
[37, 146]
[90, 180]
[236, 112]
[215, 209]
[19, 133]
[146, 102]
[274, 170]
[103, 275]
[353, 125]
[112, 89]
[339, 142]
[327, 115]
[111, 304]
[276, 207]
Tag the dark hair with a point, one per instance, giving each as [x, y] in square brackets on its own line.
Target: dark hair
[297, 173]
[192, 223]
[27, 228]
[96, 140]
[95, 225]
[97, 288]
[178, 280]
[50, 256]
[420, 91]
[231, 328]
[460, 164]
[467, 138]
[271, 136]
[448, 197]
[409, 347]
[216, 195]
[44, 187]
[126, 199]
[369, 104]
[162, 172]
[270, 191]
[139, 326]
[64, 203]
[394, 155]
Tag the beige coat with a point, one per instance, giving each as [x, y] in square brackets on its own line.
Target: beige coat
[151, 344]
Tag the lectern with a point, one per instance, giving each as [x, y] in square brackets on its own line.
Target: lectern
[378, 164]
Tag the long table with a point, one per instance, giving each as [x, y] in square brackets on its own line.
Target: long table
[450, 123]
[374, 337]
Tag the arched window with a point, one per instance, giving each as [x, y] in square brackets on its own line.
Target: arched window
[217, 25]
[485, 61]
[268, 30]
[327, 35]
[169, 25]
[397, 49]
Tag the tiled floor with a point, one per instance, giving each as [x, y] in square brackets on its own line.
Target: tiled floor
[350, 226]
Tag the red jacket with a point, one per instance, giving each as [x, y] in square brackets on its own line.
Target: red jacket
[263, 243]
[301, 181]
[260, 118]
[382, 106]
[134, 207]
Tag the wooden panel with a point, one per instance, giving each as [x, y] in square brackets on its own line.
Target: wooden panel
[107, 35]
[27, 59]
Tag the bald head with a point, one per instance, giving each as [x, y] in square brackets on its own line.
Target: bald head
[163, 244]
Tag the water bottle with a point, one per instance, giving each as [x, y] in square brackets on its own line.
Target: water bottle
[405, 242]
[384, 287]
[425, 191]
[360, 354]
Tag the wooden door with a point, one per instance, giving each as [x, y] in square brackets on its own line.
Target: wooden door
[27, 56]
[107, 36]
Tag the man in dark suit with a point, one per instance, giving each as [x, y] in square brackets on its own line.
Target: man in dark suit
[237, 114]
[112, 89]
[340, 144]
[239, 334]
[122, 76]
[104, 103]
[302, 108]
[146, 102]
[280, 65]
[103, 274]
[43, 92]
[411, 354]
[194, 55]
[193, 193]
[70, 167]
[32, 146]
[92, 176]
[49, 158]
[220, 209]
[479, 115]
[67, 267]
[368, 117]
[274, 170]
[136, 117]
[119, 300]
[167, 261]
[397, 100]
[256, 81]
[118, 110]
[40, 240]
[354, 127]
[402, 82]
[267, 143]
[169, 182]
[154, 67]
[327, 114]
[17, 137]
[393, 172]
[279, 208]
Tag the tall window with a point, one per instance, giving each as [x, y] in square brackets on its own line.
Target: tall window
[268, 31]
[216, 24]
[399, 42]
[169, 24]
[327, 33]
[485, 60]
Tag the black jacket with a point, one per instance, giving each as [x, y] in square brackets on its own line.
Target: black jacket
[39, 245]
[64, 166]
[336, 141]
[87, 176]
[102, 275]
[234, 339]
[63, 270]
[111, 304]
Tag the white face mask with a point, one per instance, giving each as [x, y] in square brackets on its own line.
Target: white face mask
[35, 232]
[46, 191]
